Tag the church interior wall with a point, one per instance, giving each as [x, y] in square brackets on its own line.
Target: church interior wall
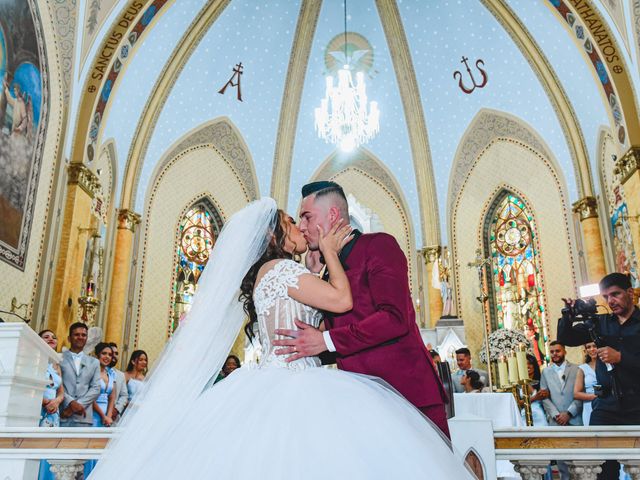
[533, 178]
[175, 189]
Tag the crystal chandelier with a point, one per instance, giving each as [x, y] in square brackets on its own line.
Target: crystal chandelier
[345, 117]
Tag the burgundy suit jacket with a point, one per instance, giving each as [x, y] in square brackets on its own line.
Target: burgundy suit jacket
[379, 336]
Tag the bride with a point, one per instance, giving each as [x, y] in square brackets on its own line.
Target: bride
[275, 420]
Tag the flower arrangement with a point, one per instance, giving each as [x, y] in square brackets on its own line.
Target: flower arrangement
[501, 342]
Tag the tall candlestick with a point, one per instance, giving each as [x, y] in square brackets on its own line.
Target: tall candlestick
[521, 359]
[503, 372]
[513, 368]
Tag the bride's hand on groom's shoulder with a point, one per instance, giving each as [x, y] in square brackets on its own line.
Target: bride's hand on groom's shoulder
[336, 238]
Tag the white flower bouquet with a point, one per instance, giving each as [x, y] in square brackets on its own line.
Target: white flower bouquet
[501, 342]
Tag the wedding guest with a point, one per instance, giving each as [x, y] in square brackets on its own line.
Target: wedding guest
[52, 398]
[136, 372]
[471, 382]
[231, 363]
[104, 406]
[122, 394]
[537, 394]
[463, 359]
[585, 380]
[561, 408]
[81, 380]
[435, 356]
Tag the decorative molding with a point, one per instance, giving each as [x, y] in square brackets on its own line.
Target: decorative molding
[585, 469]
[606, 60]
[530, 470]
[221, 135]
[558, 97]
[586, 207]
[160, 92]
[290, 108]
[81, 175]
[414, 115]
[628, 164]
[117, 47]
[127, 220]
[487, 127]
[65, 14]
[431, 254]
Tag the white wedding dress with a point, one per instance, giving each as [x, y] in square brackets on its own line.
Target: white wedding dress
[297, 420]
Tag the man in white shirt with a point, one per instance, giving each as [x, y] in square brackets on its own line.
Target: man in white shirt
[561, 408]
[81, 380]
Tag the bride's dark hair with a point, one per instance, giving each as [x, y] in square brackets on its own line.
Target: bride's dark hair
[274, 250]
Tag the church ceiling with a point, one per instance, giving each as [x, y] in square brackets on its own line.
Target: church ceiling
[439, 34]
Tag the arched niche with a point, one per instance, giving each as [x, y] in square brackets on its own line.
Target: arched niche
[375, 189]
[498, 153]
[195, 167]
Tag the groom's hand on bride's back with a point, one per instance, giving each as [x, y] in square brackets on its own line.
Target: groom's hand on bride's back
[308, 341]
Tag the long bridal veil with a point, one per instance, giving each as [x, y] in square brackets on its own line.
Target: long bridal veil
[196, 351]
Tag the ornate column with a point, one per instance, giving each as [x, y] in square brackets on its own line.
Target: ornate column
[530, 470]
[632, 468]
[585, 469]
[127, 221]
[587, 208]
[628, 168]
[82, 186]
[431, 256]
[66, 469]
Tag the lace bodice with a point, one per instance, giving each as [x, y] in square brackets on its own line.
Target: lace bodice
[276, 309]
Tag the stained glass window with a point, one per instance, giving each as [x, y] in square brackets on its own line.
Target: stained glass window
[197, 234]
[517, 298]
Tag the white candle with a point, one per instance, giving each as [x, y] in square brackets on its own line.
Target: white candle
[513, 368]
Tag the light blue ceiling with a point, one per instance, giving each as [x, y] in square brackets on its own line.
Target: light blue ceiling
[141, 73]
[391, 145]
[258, 34]
[439, 33]
[572, 69]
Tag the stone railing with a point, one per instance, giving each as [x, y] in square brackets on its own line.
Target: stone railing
[584, 449]
[66, 449]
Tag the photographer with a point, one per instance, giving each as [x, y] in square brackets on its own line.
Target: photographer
[617, 336]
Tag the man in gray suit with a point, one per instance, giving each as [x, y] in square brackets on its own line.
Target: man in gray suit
[561, 408]
[463, 359]
[81, 379]
[122, 395]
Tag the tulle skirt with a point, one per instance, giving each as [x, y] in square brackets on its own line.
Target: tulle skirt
[276, 423]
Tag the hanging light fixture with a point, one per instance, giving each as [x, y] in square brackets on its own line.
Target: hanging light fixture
[345, 117]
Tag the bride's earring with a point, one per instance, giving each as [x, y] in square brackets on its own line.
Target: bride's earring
[297, 258]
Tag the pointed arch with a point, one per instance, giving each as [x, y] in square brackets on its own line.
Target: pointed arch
[213, 162]
[373, 185]
[495, 142]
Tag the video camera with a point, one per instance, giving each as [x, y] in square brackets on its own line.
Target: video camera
[586, 311]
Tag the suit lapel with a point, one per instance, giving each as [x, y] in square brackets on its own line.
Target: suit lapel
[344, 254]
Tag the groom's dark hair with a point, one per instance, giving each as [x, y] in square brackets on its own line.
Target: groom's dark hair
[328, 189]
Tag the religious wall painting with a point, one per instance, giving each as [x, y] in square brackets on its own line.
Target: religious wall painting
[517, 294]
[23, 117]
[625, 255]
[197, 234]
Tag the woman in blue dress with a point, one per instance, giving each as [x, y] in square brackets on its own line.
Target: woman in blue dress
[136, 372]
[104, 406]
[51, 400]
[585, 380]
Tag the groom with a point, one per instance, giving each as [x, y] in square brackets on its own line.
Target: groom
[379, 336]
